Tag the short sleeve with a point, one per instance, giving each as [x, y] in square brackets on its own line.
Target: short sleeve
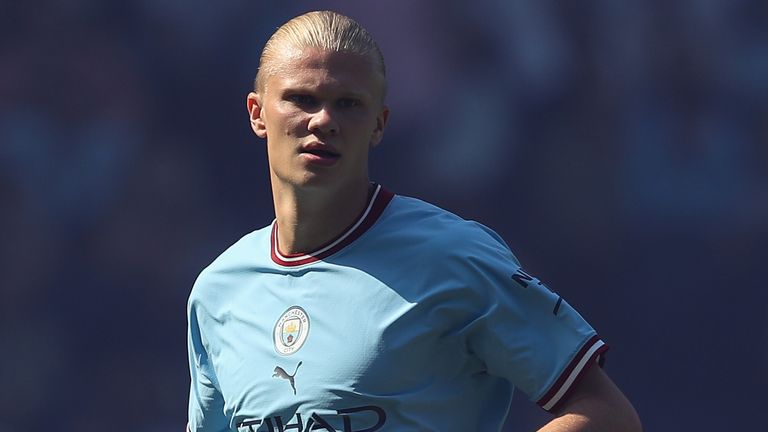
[206, 404]
[525, 332]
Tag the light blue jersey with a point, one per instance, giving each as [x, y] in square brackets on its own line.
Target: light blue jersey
[412, 320]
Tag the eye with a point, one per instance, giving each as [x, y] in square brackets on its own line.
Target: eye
[303, 100]
[348, 103]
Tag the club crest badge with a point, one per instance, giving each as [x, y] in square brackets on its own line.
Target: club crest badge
[291, 330]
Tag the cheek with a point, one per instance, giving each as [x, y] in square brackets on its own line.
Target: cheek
[358, 123]
[278, 122]
[367, 127]
[294, 128]
[290, 123]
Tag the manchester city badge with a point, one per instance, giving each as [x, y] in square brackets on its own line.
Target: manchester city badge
[291, 330]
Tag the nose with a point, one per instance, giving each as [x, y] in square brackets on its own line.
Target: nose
[322, 122]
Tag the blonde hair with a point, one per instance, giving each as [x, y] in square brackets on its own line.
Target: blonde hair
[322, 30]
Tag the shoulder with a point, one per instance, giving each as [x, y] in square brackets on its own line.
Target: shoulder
[416, 237]
[428, 253]
[243, 251]
[249, 252]
[432, 229]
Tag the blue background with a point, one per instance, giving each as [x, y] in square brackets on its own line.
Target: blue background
[620, 147]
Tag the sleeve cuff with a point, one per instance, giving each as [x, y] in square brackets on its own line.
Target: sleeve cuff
[586, 356]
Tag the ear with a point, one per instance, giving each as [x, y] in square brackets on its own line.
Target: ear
[256, 114]
[378, 132]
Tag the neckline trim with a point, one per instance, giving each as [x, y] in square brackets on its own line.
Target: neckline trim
[378, 201]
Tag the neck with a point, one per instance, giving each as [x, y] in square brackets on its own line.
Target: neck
[311, 217]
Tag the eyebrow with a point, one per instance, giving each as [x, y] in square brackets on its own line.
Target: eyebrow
[298, 88]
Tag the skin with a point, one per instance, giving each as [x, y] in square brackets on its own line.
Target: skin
[594, 404]
[323, 99]
[335, 99]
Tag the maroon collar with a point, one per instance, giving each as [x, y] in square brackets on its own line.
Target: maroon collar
[376, 204]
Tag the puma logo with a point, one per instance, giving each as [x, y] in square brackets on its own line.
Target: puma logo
[281, 373]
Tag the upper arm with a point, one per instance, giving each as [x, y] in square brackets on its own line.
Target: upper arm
[206, 402]
[530, 336]
[596, 403]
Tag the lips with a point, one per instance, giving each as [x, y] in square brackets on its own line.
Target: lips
[324, 154]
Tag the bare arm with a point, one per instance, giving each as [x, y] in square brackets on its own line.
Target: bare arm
[595, 404]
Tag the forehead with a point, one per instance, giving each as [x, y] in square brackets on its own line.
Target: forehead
[324, 70]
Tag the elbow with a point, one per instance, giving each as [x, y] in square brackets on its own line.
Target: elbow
[632, 420]
[618, 415]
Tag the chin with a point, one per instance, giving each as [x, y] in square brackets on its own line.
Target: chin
[317, 179]
[320, 179]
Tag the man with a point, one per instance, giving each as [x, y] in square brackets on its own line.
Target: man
[360, 310]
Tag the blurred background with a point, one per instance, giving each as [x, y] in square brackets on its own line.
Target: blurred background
[621, 149]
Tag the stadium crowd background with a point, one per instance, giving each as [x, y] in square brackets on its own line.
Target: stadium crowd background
[621, 149]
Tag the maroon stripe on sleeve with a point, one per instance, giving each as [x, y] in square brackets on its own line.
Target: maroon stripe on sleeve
[559, 392]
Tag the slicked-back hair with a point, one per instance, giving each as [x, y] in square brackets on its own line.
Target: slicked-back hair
[321, 30]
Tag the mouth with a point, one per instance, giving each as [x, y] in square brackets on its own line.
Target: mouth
[320, 153]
